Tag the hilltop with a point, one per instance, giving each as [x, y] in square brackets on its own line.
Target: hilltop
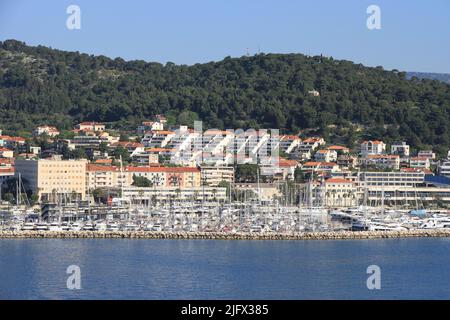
[337, 99]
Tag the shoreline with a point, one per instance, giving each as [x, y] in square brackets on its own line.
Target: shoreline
[328, 235]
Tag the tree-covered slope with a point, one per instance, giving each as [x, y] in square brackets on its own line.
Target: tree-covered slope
[42, 85]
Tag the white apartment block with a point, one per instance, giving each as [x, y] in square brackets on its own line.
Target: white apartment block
[325, 155]
[419, 162]
[374, 147]
[399, 179]
[165, 194]
[157, 138]
[400, 148]
[427, 154]
[49, 130]
[444, 169]
[382, 161]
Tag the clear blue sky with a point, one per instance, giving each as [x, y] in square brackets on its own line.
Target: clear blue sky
[415, 34]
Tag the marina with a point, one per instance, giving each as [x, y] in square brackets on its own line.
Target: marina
[238, 220]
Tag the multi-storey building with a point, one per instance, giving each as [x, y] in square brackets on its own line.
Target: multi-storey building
[289, 142]
[325, 155]
[50, 179]
[157, 138]
[149, 126]
[213, 175]
[90, 126]
[427, 154]
[402, 178]
[49, 130]
[339, 192]
[444, 169]
[419, 162]
[181, 177]
[374, 147]
[382, 161]
[400, 148]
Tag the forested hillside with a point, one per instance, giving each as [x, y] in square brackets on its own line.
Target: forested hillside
[42, 85]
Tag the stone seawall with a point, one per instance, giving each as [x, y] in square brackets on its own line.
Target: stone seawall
[341, 235]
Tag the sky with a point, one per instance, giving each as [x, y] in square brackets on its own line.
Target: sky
[414, 34]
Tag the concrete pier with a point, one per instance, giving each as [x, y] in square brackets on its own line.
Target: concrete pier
[341, 235]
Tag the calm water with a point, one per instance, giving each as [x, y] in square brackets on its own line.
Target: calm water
[209, 269]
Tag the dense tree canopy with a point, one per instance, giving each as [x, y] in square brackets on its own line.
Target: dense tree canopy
[43, 85]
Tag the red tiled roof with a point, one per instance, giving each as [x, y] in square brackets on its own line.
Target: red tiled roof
[337, 180]
[103, 161]
[373, 141]
[282, 162]
[94, 167]
[337, 148]
[383, 156]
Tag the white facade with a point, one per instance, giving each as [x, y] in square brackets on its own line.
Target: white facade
[372, 148]
[400, 148]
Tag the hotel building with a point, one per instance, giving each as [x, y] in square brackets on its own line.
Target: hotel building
[53, 178]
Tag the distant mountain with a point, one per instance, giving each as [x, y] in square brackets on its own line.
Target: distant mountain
[338, 99]
[444, 77]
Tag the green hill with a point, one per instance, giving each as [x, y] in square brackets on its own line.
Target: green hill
[43, 85]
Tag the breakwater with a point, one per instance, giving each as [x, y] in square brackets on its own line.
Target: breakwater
[337, 235]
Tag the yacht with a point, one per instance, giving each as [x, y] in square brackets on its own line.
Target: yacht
[27, 226]
[101, 226]
[76, 226]
[42, 226]
[436, 223]
[55, 226]
[157, 227]
[112, 226]
[88, 226]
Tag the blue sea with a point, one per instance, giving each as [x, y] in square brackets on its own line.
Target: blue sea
[217, 269]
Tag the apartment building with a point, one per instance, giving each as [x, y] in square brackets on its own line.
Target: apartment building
[320, 167]
[181, 177]
[444, 169]
[419, 162]
[289, 142]
[90, 126]
[52, 178]
[284, 169]
[213, 175]
[374, 147]
[103, 176]
[48, 130]
[165, 194]
[426, 154]
[157, 138]
[339, 192]
[400, 148]
[339, 149]
[398, 179]
[325, 155]
[149, 126]
[382, 161]
[347, 161]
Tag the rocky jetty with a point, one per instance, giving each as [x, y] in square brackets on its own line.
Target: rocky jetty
[338, 235]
